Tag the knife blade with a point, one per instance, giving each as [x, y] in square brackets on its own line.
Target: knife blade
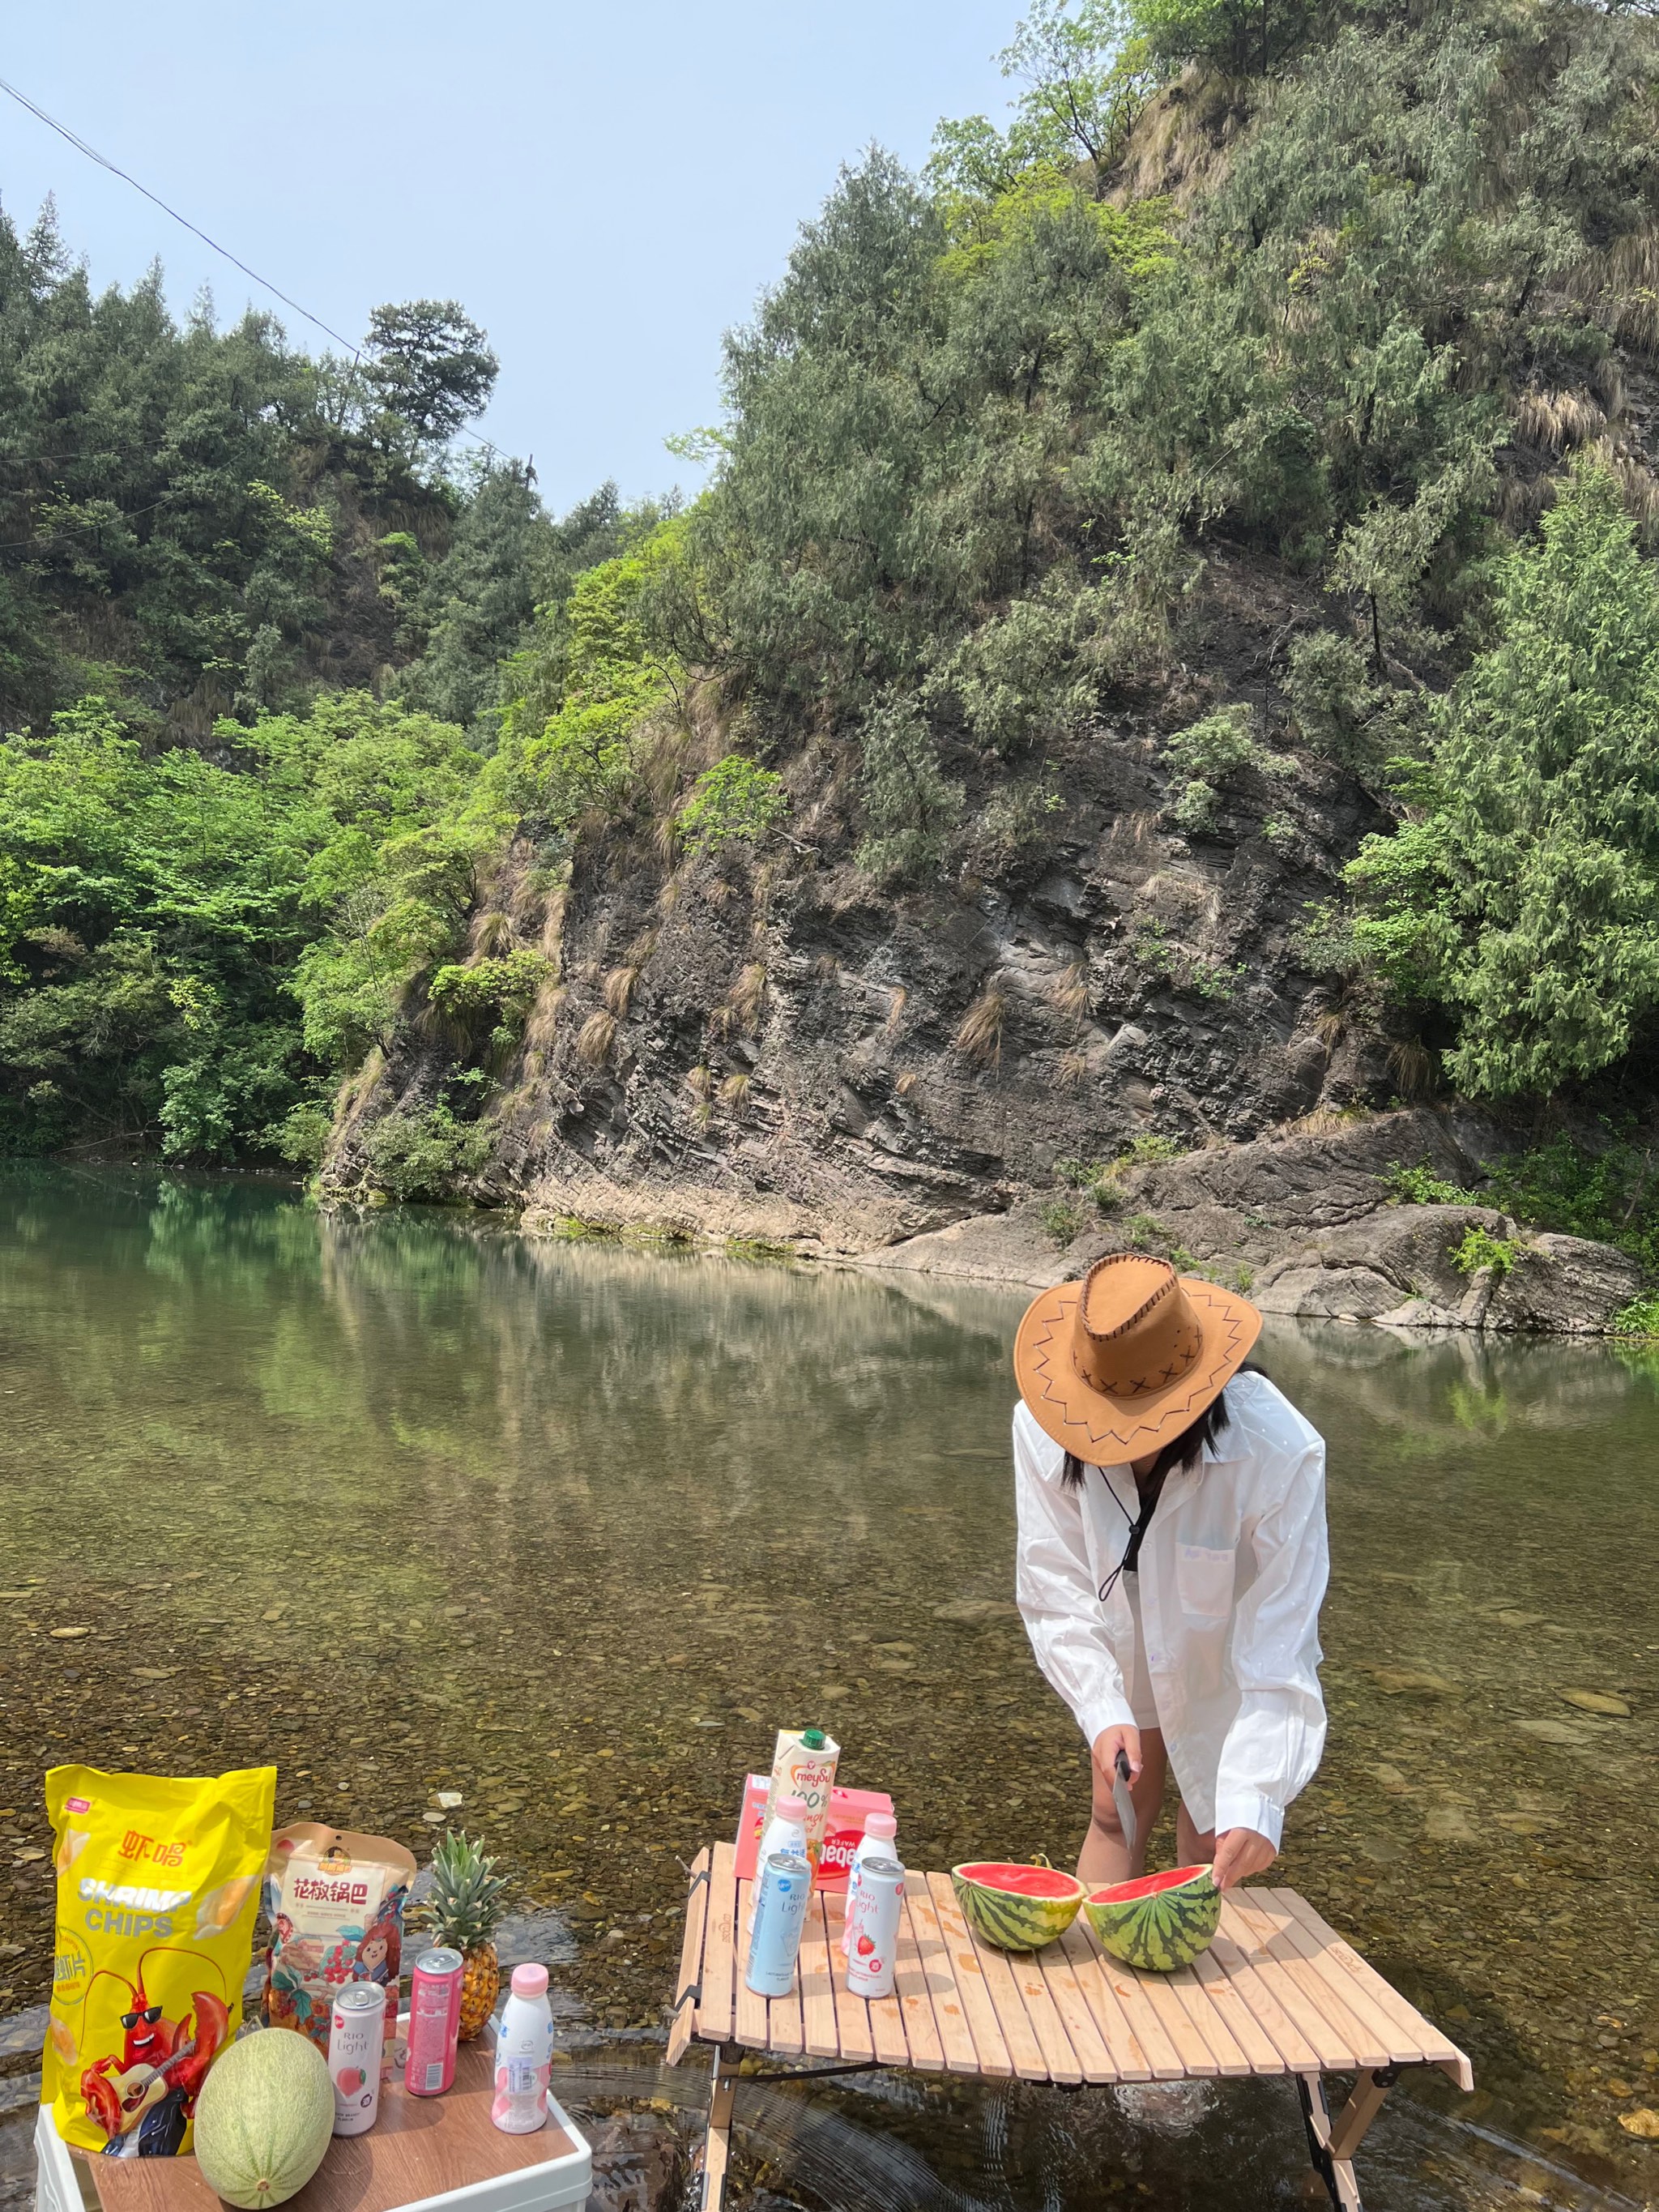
[1122, 1799]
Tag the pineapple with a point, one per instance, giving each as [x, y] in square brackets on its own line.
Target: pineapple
[463, 1910]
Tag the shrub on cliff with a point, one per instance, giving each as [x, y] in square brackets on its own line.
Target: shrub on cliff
[1524, 895]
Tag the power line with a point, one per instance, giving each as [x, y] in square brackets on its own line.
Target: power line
[115, 170]
[73, 139]
[81, 530]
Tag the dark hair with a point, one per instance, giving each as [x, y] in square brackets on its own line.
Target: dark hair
[1180, 1451]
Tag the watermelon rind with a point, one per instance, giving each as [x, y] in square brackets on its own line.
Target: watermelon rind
[1009, 1922]
[1160, 1932]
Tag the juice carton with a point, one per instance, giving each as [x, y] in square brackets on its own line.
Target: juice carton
[804, 1767]
[842, 1829]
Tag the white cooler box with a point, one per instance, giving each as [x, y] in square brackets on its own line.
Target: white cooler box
[449, 2156]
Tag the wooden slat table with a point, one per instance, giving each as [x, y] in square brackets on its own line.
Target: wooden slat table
[1278, 1992]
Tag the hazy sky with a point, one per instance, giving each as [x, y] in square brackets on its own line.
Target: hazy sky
[605, 188]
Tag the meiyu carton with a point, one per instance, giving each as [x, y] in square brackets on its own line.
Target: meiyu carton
[848, 1810]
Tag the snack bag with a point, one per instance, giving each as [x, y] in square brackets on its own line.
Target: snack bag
[158, 1890]
[336, 1902]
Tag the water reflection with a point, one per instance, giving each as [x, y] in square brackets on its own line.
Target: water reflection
[409, 1504]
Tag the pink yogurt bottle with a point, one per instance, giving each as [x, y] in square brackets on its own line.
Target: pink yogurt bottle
[524, 2054]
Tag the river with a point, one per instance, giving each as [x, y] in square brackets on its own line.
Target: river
[408, 1503]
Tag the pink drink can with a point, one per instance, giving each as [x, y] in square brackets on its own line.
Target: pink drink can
[356, 2039]
[434, 2021]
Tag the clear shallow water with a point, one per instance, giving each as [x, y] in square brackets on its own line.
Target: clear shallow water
[409, 1504]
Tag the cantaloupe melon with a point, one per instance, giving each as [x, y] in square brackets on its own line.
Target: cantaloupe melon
[264, 2119]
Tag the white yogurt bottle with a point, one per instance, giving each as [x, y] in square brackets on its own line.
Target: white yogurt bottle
[785, 1831]
[878, 1841]
[524, 2054]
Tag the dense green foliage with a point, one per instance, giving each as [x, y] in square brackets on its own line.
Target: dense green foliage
[1337, 288]
[194, 949]
[1524, 894]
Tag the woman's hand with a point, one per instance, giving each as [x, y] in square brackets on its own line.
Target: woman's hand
[1239, 1853]
[1107, 1746]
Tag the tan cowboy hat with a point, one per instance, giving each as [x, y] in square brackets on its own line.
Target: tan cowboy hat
[1112, 1367]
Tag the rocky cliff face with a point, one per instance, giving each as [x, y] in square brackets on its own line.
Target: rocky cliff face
[775, 1049]
[782, 1050]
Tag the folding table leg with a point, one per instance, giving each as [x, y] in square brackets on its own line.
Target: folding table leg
[1332, 2140]
[717, 2146]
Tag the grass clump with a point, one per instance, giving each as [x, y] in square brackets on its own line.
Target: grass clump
[1420, 1185]
[1481, 1249]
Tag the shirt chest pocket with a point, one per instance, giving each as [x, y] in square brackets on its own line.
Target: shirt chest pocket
[1204, 1580]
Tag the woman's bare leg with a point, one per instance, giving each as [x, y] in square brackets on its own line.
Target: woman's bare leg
[1105, 1856]
[1192, 1849]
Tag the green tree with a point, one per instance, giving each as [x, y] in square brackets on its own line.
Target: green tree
[195, 949]
[429, 365]
[1524, 894]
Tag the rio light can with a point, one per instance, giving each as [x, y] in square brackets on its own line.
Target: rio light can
[357, 2038]
[875, 1937]
[781, 1896]
[434, 2021]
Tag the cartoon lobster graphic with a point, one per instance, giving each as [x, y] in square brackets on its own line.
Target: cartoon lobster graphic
[151, 2087]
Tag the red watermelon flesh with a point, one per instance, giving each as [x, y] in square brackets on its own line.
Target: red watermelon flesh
[1017, 1880]
[1149, 1885]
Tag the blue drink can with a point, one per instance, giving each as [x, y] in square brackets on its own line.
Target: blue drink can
[780, 1897]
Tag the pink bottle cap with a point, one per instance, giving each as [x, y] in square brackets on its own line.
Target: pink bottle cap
[529, 1981]
[792, 1809]
[884, 1825]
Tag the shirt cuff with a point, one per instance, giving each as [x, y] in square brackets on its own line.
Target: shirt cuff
[1249, 1808]
[1110, 1709]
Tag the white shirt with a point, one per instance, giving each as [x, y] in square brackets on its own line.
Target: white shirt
[1233, 1567]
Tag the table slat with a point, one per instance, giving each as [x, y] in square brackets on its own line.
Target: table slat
[915, 1999]
[696, 1915]
[1031, 2062]
[1060, 2062]
[983, 2023]
[1088, 2045]
[785, 2032]
[1361, 2046]
[1129, 1990]
[950, 2013]
[1194, 2000]
[720, 1949]
[1256, 1946]
[1295, 2051]
[1129, 2061]
[752, 2017]
[852, 2013]
[1402, 2047]
[1252, 2039]
[1437, 2048]
[818, 1987]
[1194, 2053]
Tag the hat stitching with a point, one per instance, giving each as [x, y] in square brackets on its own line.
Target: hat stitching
[1111, 1259]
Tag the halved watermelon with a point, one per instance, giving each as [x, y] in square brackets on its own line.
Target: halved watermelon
[1016, 1908]
[1160, 1921]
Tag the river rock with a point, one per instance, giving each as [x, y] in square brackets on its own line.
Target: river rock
[1597, 1701]
[1562, 1732]
[636, 2164]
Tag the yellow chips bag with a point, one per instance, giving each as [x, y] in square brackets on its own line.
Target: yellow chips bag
[158, 1890]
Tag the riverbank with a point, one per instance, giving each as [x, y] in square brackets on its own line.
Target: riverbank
[1315, 1223]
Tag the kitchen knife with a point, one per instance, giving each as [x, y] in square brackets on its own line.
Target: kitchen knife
[1122, 1799]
